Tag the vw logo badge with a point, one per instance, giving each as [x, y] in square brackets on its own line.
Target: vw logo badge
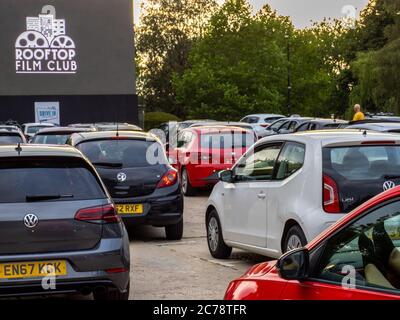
[388, 185]
[121, 177]
[31, 220]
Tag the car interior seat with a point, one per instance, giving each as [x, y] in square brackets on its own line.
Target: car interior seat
[374, 271]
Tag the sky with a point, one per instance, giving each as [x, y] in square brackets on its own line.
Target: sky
[302, 12]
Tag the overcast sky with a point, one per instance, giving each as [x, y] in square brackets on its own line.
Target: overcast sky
[302, 11]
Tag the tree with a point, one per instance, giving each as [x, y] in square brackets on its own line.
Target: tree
[165, 36]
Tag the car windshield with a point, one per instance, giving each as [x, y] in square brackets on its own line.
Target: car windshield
[51, 139]
[13, 139]
[52, 179]
[126, 153]
[226, 140]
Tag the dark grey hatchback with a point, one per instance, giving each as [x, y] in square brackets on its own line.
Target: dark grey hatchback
[59, 231]
[135, 169]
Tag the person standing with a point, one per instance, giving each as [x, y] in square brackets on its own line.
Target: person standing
[358, 115]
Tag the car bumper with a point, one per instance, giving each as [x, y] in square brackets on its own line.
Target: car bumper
[157, 212]
[86, 270]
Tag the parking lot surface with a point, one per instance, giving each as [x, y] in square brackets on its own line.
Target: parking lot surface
[182, 269]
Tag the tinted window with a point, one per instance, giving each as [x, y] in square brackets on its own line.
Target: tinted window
[290, 160]
[226, 140]
[258, 165]
[251, 120]
[127, 153]
[51, 139]
[10, 139]
[270, 120]
[276, 125]
[67, 178]
[35, 129]
[368, 249]
[303, 127]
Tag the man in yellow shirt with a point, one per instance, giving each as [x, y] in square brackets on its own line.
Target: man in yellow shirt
[358, 116]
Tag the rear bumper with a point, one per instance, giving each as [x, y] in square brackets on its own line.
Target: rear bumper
[158, 212]
[86, 270]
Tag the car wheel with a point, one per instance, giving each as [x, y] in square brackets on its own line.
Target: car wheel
[187, 188]
[174, 232]
[294, 239]
[215, 239]
[112, 295]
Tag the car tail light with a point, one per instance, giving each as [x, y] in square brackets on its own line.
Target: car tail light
[331, 196]
[265, 125]
[168, 179]
[378, 142]
[104, 214]
[117, 270]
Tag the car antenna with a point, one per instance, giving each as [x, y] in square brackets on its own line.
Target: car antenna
[365, 133]
[117, 130]
[18, 149]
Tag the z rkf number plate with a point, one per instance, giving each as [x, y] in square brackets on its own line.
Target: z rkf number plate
[130, 208]
[32, 269]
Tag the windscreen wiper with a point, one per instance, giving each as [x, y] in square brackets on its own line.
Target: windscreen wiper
[45, 197]
[108, 164]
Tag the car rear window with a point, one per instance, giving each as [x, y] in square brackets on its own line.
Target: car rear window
[70, 179]
[128, 153]
[51, 139]
[35, 129]
[235, 139]
[361, 172]
[10, 139]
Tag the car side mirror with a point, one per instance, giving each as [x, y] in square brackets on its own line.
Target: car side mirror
[226, 176]
[294, 265]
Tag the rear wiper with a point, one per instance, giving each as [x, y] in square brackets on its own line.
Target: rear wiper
[108, 164]
[44, 197]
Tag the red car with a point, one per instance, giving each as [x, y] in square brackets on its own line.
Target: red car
[358, 258]
[202, 152]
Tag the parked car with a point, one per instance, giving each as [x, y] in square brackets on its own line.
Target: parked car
[57, 135]
[390, 127]
[284, 126]
[287, 189]
[30, 129]
[58, 219]
[242, 125]
[261, 121]
[112, 126]
[135, 169]
[320, 124]
[11, 136]
[202, 152]
[357, 258]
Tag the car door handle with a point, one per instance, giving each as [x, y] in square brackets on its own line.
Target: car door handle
[261, 196]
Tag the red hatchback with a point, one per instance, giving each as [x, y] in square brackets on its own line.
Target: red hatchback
[202, 152]
[358, 258]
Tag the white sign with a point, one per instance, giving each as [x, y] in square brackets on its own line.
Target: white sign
[47, 112]
[44, 47]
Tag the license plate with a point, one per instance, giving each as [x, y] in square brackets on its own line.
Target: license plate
[129, 208]
[32, 269]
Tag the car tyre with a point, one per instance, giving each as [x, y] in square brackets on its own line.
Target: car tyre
[175, 231]
[215, 239]
[294, 238]
[187, 188]
[112, 295]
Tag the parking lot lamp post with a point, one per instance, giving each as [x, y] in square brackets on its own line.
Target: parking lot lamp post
[289, 76]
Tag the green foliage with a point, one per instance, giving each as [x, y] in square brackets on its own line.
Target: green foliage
[154, 119]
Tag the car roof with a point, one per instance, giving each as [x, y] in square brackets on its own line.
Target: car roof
[265, 115]
[328, 121]
[216, 129]
[381, 126]
[334, 137]
[10, 132]
[78, 138]
[33, 150]
[64, 130]
[39, 124]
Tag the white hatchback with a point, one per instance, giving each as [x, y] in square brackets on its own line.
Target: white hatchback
[287, 189]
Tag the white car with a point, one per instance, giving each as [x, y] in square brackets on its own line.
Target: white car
[30, 129]
[287, 189]
[261, 121]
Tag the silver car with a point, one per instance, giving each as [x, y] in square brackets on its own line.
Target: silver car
[59, 231]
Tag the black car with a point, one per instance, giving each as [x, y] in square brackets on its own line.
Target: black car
[320, 124]
[57, 135]
[135, 169]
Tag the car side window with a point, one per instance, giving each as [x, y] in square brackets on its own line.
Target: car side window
[367, 252]
[293, 125]
[303, 127]
[182, 140]
[290, 160]
[258, 165]
[285, 126]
